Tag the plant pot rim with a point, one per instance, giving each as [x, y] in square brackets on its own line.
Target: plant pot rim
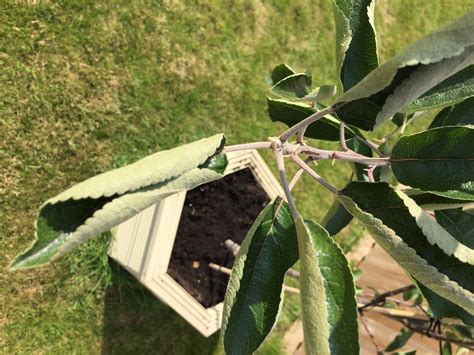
[143, 245]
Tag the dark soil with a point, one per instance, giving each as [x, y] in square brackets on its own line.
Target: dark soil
[223, 209]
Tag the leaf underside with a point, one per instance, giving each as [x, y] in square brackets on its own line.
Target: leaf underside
[431, 201]
[442, 308]
[313, 294]
[407, 76]
[451, 91]
[435, 233]
[384, 214]
[328, 301]
[102, 202]
[459, 223]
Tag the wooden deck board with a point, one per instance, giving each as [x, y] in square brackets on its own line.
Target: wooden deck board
[382, 273]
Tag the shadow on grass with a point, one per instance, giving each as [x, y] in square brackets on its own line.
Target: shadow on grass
[137, 322]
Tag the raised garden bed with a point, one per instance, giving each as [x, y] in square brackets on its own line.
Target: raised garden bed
[168, 247]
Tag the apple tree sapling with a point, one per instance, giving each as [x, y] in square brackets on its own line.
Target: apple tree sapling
[413, 193]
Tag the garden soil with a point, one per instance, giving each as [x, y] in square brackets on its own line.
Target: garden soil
[223, 209]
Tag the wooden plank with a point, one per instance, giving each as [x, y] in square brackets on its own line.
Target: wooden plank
[382, 273]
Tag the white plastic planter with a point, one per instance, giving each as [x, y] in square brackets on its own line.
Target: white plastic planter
[143, 245]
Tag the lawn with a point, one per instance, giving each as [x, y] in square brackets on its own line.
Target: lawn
[86, 87]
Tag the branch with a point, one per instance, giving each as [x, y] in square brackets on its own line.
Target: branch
[414, 326]
[276, 145]
[245, 146]
[298, 173]
[371, 336]
[371, 145]
[322, 154]
[380, 299]
[301, 126]
[342, 136]
[312, 173]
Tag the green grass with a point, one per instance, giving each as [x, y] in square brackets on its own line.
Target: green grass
[86, 87]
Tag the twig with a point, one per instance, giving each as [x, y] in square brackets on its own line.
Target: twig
[228, 271]
[293, 273]
[440, 343]
[371, 145]
[371, 336]
[245, 146]
[380, 299]
[322, 154]
[301, 126]
[295, 179]
[312, 173]
[220, 268]
[414, 326]
[299, 173]
[281, 170]
[366, 255]
[423, 310]
[389, 299]
[370, 173]
[342, 136]
[393, 312]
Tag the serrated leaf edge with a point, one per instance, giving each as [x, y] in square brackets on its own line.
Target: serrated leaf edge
[435, 233]
[409, 259]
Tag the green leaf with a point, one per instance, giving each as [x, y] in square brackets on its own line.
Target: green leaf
[336, 218]
[446, 349]
[459, 223]
[413, 294]
[340, 292]
[404, 78]
[356, 49]
[460, 331]
[400, 340]
[254, 292]
[290, 113]
[313, 295]
[318, 94]
[461, 114]
[293, 86]
[328, 301]
[439, 160]
[435, 233]
[451, 91]
[443, 308]
[102, 202]
[431, 201]
[280, 72]
[385, 215]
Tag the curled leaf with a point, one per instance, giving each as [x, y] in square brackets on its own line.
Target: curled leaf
[386, 217]
[435, 233]
[426, 63]
[103, 201]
